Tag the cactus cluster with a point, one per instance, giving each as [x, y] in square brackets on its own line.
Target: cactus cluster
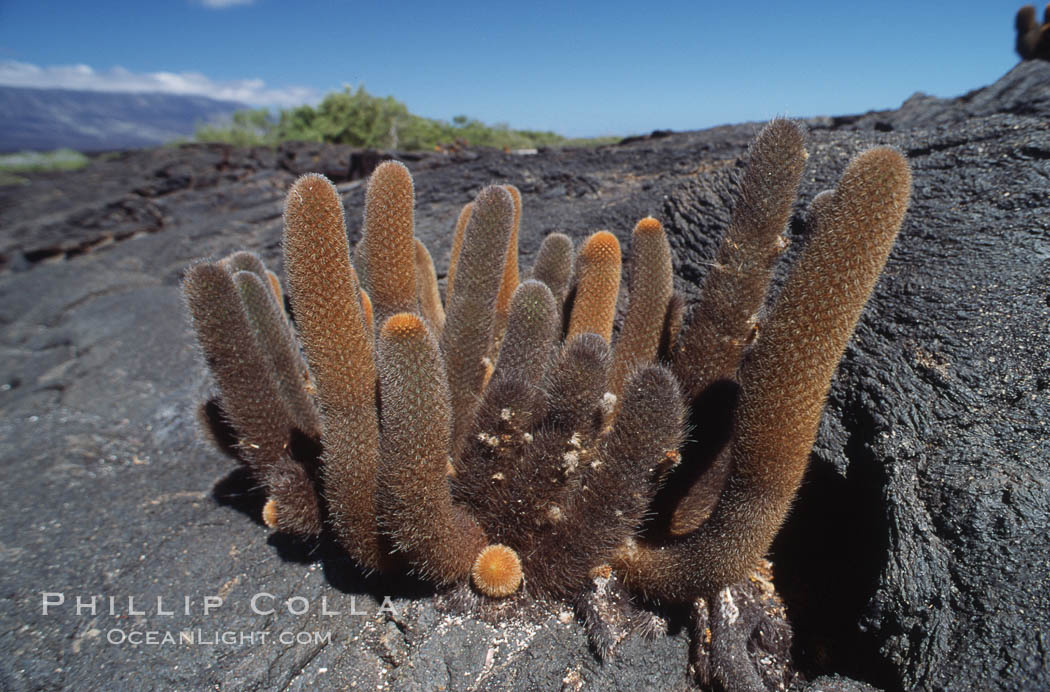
[1033, 38]
[511, 436]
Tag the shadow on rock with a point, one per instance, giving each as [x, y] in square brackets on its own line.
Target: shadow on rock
[827, 560]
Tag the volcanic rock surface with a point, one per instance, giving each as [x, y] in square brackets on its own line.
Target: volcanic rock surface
[917, 555]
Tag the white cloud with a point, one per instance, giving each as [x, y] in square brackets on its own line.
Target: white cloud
[251, 91]
[222, 4]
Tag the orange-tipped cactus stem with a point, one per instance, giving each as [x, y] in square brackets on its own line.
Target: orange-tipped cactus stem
[293, 506]
[427, 288]
[457, 247]
[510, 269]
[554, 265]
[784, 384]
[286, 362]
[269, 514]
[326, 299]
[467, 337]
[598, 286]
[497, 571]
[438, 537]
[722, 323]
[651, 287]
[389, 247]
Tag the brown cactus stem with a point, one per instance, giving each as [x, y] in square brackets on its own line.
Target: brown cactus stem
[531, 332]
[554, 264]
[467, 337]
[784, 383]
[286, 363]
[427, 288]
[721, 322]
[651, 287]
[511, 278]
[457, 247]
[575, 385]
[250, 396]
[389, 247]
[438, 537]
[326, 300]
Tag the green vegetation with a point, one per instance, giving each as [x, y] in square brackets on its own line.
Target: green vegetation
[34, 161]
[363, 120]
[249, 128]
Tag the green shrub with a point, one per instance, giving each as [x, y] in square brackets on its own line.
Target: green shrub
[249, 128]
[32, 161]
[360, 119]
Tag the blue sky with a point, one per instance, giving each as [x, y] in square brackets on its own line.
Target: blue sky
[585, 68]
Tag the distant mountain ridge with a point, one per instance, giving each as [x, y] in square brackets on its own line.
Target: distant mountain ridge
[44, 119]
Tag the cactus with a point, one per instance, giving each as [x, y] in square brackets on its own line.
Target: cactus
[724, 318]
[414, 502]
[260, 382]
[597, 286]
[554, 265]
[1033, 37]
[277, 341]
[723, 322]
[497, 571]
[651, 288]
[457, 246]
[427, 289]
[339, 349]
[509, 439]
[510, 269]
[470, 315]
[388, 248]
[533, 328]
[785, 379]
